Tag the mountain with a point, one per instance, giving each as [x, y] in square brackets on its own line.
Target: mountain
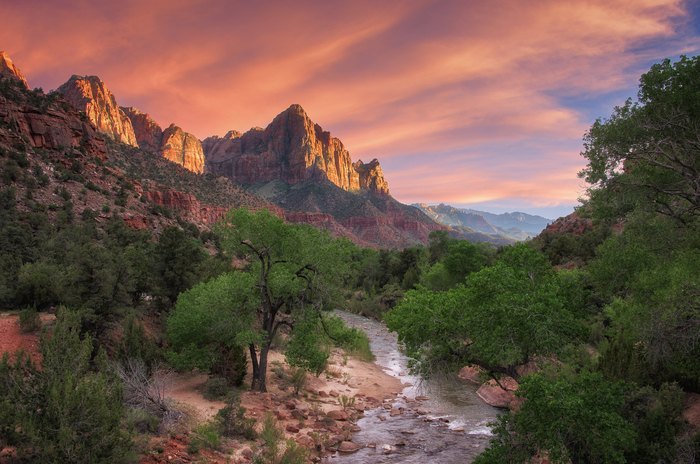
[301, 168]
[129, 125]
[292, 148]
[91, 95]
[115, 161]
[507, 227]
[9, 70]
[57, 161]
[528, 223]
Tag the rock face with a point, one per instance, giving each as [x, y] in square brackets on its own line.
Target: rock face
[131, 126]
[186, 205]
[148, 133]
[292, 149]
[9, 70]
[91, 95]
[572, 224]
[182, 148]
[371, 177]
[54, 128]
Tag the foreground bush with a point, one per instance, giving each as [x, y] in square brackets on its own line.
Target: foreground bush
[70, 410]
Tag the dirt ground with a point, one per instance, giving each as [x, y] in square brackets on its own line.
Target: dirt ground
[12, 339]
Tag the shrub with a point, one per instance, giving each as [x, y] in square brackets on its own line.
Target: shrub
[141, 421]
[232, 421]
[29, 320]
[205, 436]
[274, 450]
[216, 388]
[69, 411]
[298, 380]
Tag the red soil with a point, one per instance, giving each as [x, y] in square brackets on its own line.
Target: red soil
[12, 339]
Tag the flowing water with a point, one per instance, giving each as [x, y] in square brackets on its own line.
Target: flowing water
[442, 420]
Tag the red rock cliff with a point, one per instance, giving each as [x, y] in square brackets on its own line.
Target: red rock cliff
[183, 148]
[148, 133]
[91, 95]
[9, 70]
[292, 149]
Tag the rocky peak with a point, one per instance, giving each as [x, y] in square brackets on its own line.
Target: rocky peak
[91, 95]
[292, 148]
[8, 69]
[371, 176]
[148, 133]
[183, 148]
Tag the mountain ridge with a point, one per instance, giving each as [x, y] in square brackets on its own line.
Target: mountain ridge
[512, 226]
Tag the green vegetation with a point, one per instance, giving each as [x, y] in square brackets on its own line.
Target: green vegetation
[274, 449]
[292, 274]
[70, 410]
[616, 340]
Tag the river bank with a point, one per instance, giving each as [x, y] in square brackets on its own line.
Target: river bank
[437, 420]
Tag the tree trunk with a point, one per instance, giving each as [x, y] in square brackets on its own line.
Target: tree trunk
[254, 362]
[262, 368]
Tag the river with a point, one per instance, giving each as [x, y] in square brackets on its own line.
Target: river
[441, 420]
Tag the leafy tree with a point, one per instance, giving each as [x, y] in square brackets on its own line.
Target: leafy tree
[177, 262]
[295, 268]
[212, 322]
[574, 418]
[505, 314]
[646, 155]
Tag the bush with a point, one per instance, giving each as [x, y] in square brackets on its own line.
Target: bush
[298, 380]
[205, 436]
[29, 320]
[141, 421]
[216, 388]
[233, 423]
[273, 449]
[69, 411]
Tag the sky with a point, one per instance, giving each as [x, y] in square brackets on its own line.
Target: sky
[466, 102]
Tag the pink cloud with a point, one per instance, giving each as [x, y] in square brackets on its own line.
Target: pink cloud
[445, 79]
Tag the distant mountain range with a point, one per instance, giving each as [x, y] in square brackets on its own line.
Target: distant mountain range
[497, 228]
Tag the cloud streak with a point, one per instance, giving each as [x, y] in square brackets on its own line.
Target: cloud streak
[462, 101]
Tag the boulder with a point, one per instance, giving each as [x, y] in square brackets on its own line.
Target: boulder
[471, 373]
[499, 396]
[338, 414]
[348, 447]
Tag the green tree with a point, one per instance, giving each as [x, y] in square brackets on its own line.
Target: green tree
[212, 322]
[646, 155]
[500, 318]
[297, 268]
[177, 263]
[574, 418]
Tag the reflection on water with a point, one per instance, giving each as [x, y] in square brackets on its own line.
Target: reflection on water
[443, 420]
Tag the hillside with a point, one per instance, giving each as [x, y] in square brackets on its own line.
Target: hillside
[54, 155]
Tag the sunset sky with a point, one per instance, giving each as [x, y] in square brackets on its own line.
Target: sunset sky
[480, 103]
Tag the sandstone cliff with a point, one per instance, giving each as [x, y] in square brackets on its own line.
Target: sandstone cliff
[91, 95]
[131, 126]
[292, 149]
[371, 176]
[9, 70]
[182, 148]
[56, 127]
[149, 134]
